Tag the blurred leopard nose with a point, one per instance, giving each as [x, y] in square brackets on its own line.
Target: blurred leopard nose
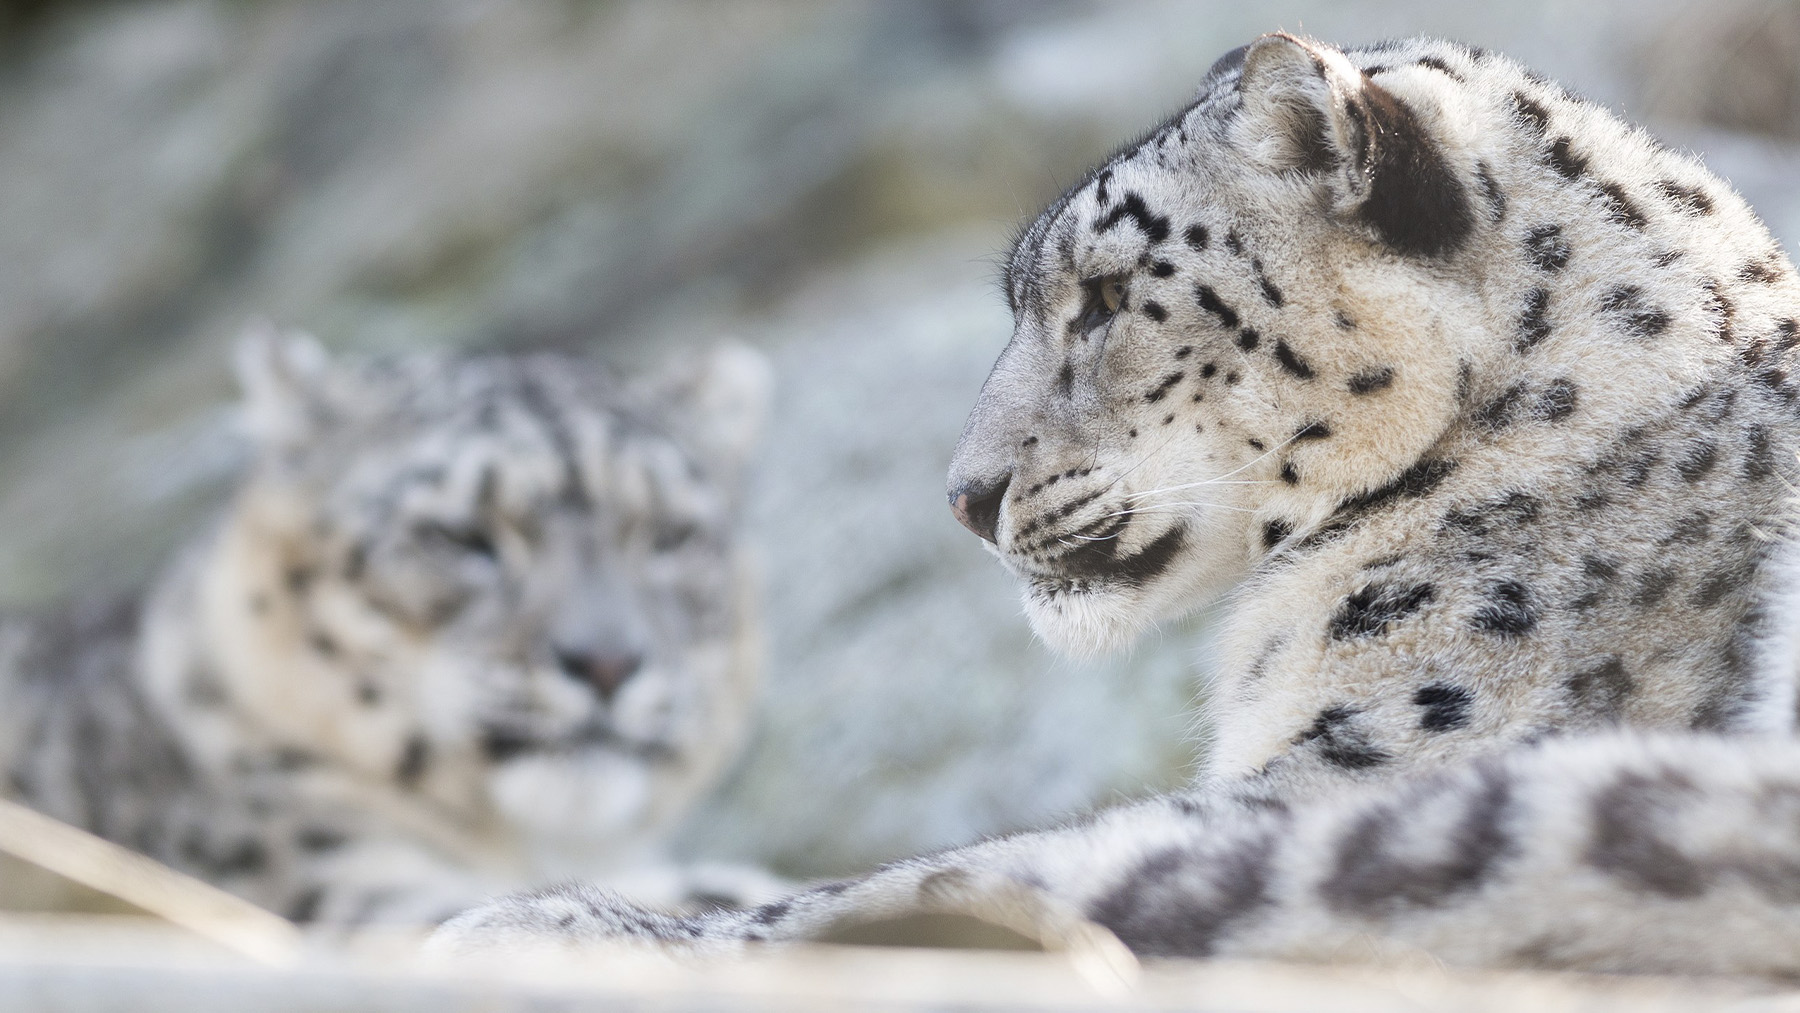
[603, 673]
[977, 504]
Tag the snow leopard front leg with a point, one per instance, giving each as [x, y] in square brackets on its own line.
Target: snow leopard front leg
[1617, 854]
[1042, 885]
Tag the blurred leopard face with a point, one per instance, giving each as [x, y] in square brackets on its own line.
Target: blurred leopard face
[508, 583]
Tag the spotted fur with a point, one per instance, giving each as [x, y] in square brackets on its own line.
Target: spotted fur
[471, 622]
[1504, 672]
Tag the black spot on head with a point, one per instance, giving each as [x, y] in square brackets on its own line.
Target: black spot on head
[1719, 583]
[1601, 689]
[1499, 413]
[1620, 209]
[1564, 159]
[1690, 528]
[1154, 310]
[1162, 388]
[1416, 481]
[1155, 227]
[1446, 706]
[1196, 237]
[1271, 294]
[1375, 607]
[1513, 509]
[1288, 474]
[1490, 191]
[1371, 380]
[1722, 310]
[1766, 271]
[1312, 431]
[1100, 194]
[1640, 320]
[1162, 269]
[1256, 444]
[1507, 609]
[1653, 586]
[1292, 362]
[1210, 302]
[1065, 379]
[1234, 242]
[1340, 743]
[322, 644]
[1207, 371]
[1534, 324]
[1184, 351]
[1275, 532]
[1556, 401]
[1232, 377]
[1247, 339]
[1532, 116]
[1759, 456]
[1699, 460]
[1547, 248]
[1440, 66]
[1689, 200]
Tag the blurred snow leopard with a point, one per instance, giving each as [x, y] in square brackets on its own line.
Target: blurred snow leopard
[471, 622]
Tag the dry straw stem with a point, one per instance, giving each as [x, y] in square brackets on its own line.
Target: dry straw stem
[102, 865]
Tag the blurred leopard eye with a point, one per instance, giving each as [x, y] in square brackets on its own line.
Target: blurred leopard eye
[673, 537]
[472, 540]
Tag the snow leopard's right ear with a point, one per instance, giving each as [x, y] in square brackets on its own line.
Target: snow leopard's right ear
[1309, 110]
[282, 377]
[717, 402]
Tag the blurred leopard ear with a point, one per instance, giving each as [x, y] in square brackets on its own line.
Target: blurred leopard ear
[718, 403]
[1308, 109]
[282, 377]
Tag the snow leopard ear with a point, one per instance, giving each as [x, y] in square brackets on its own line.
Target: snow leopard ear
[719, 403]
[1308, 109]
[282, 377]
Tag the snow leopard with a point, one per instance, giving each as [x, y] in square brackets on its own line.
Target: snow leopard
[471, 622]
[1470, 409]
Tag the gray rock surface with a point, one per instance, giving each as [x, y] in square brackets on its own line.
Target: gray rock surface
[830, 181]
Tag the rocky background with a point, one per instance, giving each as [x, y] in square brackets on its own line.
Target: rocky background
[829, 181]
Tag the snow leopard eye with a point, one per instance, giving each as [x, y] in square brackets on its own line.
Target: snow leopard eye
[1104, 295]
[673, 536]
[469, 539]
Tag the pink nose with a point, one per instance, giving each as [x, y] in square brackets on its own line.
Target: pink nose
[977, 506]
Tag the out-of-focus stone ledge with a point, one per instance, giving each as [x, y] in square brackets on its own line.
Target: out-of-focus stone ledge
[107, 963]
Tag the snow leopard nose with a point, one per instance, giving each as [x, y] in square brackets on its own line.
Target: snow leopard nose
[604, 673]
[977, 504]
